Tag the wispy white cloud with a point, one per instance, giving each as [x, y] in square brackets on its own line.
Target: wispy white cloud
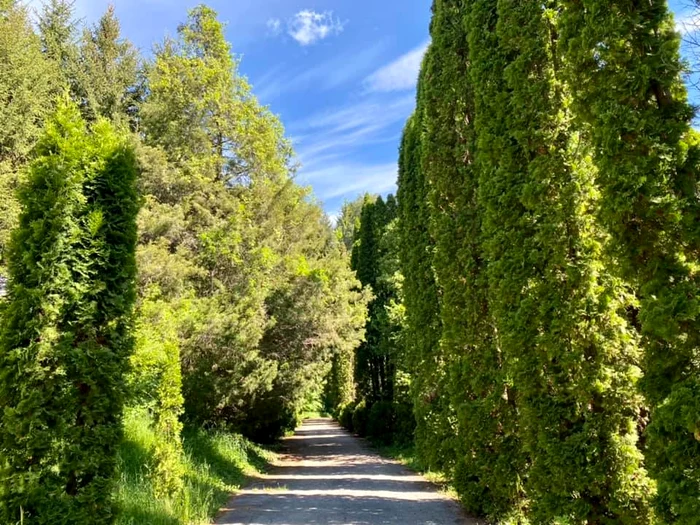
[399, 75]
[308, 27]
[338, 71]
[332, 74]
[351, 179]
[338, 131]
[331, 142]
[274, 26]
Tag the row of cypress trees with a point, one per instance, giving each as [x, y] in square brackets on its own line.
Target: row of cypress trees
[549, 221]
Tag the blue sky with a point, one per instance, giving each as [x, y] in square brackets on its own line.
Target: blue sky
[340, 73]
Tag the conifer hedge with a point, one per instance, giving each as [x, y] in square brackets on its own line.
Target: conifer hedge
[66, 333]
[423, 327]
[486, 445]
[556, 308]
[624, 69]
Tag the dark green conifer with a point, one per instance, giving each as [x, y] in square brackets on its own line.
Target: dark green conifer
[486, 448]
[423, 355]
[374, 364]
[556, 309]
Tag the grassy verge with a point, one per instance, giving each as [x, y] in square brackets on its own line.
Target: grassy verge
[216, 464]
[406, 455]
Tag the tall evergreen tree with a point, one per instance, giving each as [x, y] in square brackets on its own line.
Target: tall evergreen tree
[556, 309]
[423, 355]
[66, 333]
[201, 111]
[486, 448]
[27, 82]
[348, 222]
[108, 78]
[375, 367]
[58, 30]
[625, 73]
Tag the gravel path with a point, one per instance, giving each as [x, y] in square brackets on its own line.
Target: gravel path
[329, 477]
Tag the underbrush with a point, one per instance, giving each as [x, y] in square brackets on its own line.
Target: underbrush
[215, 463]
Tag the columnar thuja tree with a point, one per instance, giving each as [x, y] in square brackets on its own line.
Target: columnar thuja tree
[625, 74]
[66, 333]
[486, 445]
[556, 308]
[422, 353]
[374, 364]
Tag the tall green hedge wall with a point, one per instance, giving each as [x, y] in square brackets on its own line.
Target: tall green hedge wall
[549, 214]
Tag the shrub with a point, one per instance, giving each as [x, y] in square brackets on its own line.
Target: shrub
[345, 418]
[404, 423]
[360, 418]
[155, 384]
[380, 422]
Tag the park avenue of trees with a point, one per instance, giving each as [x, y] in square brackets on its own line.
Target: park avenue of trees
[523, 316]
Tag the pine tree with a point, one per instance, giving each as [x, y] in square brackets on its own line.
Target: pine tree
[366, 265]
[201, 111]
[348, 222]
[27, 81]
[375, 366]
[66, 333]
[58, 31]
[624, 69]
[108, 78]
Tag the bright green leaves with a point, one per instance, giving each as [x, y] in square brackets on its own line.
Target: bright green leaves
[625, 74]
[246, 294]
[538, 365]
[202, 112]
[67, 328]
[552, 313]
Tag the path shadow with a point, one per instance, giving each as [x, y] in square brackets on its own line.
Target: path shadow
[329, 477]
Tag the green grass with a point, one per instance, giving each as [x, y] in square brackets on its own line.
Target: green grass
[216, 463]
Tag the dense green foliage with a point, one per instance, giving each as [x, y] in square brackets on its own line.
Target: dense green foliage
[377, 405]
[631, 102]
[525, 311]
[548, 199]
[375, 365]
[27, 80]
[67, 330]
[423, 356]
[246, 308]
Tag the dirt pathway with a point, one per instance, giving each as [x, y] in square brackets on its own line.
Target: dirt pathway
[329, 477]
